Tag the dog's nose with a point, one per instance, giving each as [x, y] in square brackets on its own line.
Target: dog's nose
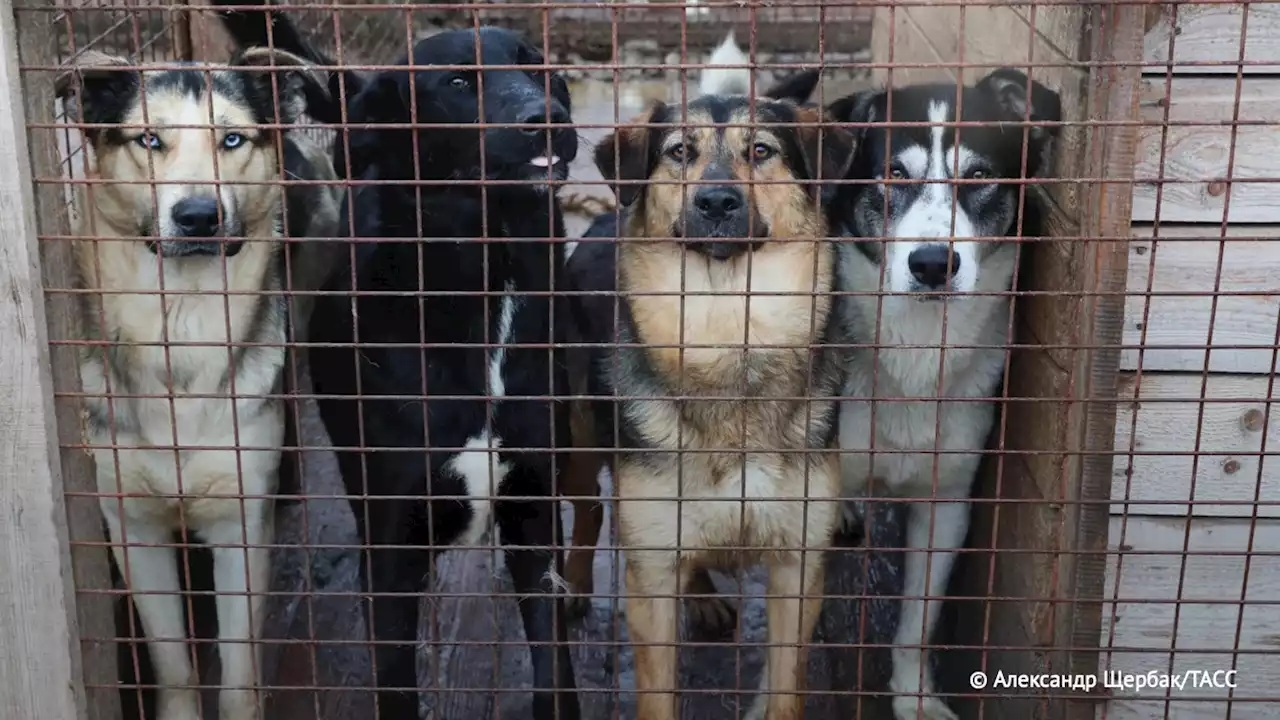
[718, 203]
[538, 118]
[933, 265]
[196, 216]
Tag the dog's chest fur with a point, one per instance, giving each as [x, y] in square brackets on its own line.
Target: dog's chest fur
[710, 476]
[909, 364]
[181, 378]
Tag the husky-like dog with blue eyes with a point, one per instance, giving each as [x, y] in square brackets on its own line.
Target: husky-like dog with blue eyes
[192, 327]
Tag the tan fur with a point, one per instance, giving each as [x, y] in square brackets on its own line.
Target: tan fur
[215, 493]
[582, 486]
[690, 505]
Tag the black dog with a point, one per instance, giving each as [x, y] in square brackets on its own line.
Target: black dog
[444, 298]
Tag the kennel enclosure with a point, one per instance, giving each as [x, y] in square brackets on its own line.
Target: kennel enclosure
[1126, 515]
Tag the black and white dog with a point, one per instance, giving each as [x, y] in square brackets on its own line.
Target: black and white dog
[941, 252]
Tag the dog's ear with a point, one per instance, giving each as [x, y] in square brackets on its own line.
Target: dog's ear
[857, 108]
[1021, 99]
[827, 151]
[630, 153]
[796, 88]
[98, 89]
[303, 88]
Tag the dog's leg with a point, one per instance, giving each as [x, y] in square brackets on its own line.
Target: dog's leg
[153, 579]
[240, 607]
[911, 675]
[530, 534]
[711, 617]
[795, 589]
[394, 579]
[581, 482]
[654, 579]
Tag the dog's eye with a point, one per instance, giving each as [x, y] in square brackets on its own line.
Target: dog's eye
[762, 152]
[677, 152]
[977, 174]
[232, 141]
[897, 172]
[459, 82]
[148, 141]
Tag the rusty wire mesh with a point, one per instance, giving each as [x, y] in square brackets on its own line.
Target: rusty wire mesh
[1121, 557]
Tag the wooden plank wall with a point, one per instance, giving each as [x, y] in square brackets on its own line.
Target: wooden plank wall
[1053, 435]
[40, 662]
[1200, 236]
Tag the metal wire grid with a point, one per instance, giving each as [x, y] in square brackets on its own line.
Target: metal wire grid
[133, 29]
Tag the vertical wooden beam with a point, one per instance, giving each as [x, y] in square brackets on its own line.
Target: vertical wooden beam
[1106, 212]
[40, 671]
[79, 545]
[209, 42]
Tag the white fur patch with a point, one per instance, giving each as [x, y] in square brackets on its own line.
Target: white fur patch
[498, 356]
[478, 463]
[482, 472]
[726, 80]
[933, 217]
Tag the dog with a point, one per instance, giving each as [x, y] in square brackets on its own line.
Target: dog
[674, 516]
[440, 471]
[936, 268]
[187, 236]
[711, 616]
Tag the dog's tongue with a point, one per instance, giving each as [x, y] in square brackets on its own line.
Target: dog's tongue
[544, 161]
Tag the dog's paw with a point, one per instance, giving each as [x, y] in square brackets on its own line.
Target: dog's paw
[710, 618]
[238, 705]
[921, 708]
[178, 705]
[577, 607]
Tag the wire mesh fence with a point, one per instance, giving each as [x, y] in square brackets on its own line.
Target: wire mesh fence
[644, 360]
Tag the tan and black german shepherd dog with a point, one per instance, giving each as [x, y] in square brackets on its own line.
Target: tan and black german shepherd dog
[190, 266]
[718, 368]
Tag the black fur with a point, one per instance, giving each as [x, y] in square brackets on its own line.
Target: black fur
[999, 101]
[434, 244]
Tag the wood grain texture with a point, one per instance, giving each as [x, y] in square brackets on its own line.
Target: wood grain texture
[1197, 158]
[1177, 266]
[1144, 571]
[1160, 421]
[89, 557]
[1206, 35]
[40, 664]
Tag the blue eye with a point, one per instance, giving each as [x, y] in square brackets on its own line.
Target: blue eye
[148, 141]
[232, 141]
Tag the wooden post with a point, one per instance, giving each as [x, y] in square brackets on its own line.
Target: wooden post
[40, 673]
[27, 267]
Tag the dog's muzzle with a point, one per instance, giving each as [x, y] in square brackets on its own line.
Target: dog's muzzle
[552, 142]
[720, 225]
[933, 267]
[198, 225]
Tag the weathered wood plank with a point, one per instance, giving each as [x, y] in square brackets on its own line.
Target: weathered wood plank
[1166, 418]
[1140, 634]
[40, 671]
[1211, 33]
[1197, 157]
[1176, 317]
